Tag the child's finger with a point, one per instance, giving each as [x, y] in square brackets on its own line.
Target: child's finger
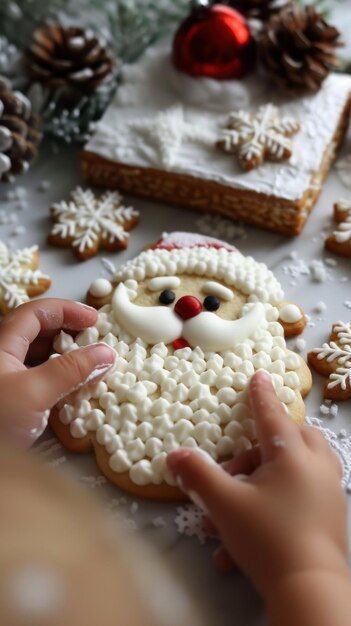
[223, 561]
[60, 376]
[207, 484]
[209, 526]
[19, 328]
[276, 432]
[245, 463]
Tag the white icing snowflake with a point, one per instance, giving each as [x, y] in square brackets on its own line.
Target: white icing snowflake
[86, 220]
[169, 129]
[258, 137]
[17, 274]
[189, 522]
[338, 354]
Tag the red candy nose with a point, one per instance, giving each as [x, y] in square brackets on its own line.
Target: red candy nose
[187, 307]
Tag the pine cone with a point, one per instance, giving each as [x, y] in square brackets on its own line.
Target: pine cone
[259, 9]
[68, 57]
[297, 47]
[19, 132]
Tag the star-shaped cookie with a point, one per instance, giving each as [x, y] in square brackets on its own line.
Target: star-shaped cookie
[333, 360]
[258, 137]
[88, 223]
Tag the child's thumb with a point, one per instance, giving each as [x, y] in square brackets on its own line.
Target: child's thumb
[60, 376]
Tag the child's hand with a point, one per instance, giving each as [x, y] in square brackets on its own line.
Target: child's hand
[289, 515]
[26, 339]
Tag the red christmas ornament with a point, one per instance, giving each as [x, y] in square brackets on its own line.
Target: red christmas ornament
[214, 41]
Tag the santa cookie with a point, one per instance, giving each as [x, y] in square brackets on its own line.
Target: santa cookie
[191, 320]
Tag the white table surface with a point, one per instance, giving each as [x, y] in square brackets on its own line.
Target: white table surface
[230, 599]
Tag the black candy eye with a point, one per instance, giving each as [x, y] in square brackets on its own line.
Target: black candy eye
[167, 297]
[211, 303]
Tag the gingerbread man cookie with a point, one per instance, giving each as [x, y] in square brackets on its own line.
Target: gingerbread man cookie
[340, 240]
[191, 320]
[88, 223]
[333, 360]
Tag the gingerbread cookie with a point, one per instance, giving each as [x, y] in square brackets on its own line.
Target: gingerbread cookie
[88, 223]
[20, 278]
[191, 320]
[340, 241]
[258, 137]
[333, 360]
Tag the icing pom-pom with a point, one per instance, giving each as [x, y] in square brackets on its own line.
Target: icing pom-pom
[100, 288]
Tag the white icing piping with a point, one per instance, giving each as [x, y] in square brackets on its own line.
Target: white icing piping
[216, 289]
[212, 333]
[151, 324]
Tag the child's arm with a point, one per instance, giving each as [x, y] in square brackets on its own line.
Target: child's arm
[285, 526]
[26, 337]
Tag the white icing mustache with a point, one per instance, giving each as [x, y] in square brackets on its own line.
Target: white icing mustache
[153, 324]
[161, 324]
[213, 334]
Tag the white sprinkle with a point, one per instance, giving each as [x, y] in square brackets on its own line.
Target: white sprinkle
[347, 303]
[324, 410]
[158, 522]
[318, 271]
[330, 262]
[300, 344]
[334, 409]
[320, 307]
[298, 269]
[108, 265]
[293, 255]
[19, 193]
[134, 508]
[19, 230]
[44, 185]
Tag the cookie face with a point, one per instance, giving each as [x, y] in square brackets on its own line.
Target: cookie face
[87, 223]
[333, 360]
[191, 320]
[20, 278]
[340, 240]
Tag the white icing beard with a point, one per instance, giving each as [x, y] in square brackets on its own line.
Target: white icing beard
[156, 400]
[161, 324]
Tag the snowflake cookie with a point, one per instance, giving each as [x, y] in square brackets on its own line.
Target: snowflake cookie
[333, 359]
[88, 223]
[339, 241]
[258, 137]
[20, 278]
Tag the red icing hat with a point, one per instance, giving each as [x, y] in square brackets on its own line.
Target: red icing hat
[179, 240]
